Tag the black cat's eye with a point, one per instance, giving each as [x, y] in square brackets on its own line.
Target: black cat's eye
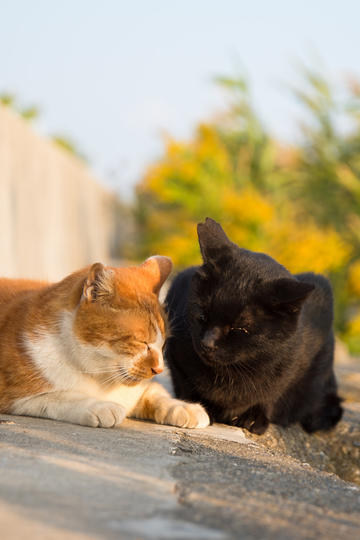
[240, 329]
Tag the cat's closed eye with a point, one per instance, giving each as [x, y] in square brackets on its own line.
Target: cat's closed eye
[240, 329]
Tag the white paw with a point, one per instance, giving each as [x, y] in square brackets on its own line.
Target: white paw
[182, 414]
[106, 414]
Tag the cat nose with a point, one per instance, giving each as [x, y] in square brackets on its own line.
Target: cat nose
[157, 369]
[210, 337]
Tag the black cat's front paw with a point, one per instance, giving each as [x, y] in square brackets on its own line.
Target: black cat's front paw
[254, 420]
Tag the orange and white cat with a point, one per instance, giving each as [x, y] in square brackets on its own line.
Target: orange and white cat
[84, 350]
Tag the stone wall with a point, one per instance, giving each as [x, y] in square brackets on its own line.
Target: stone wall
[54, 216]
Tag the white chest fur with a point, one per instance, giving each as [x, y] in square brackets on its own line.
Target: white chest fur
[67, 364]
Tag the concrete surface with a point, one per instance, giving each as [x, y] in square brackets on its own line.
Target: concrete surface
[60, 481]
[145, 481]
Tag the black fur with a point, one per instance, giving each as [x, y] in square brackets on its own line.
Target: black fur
[251, 342]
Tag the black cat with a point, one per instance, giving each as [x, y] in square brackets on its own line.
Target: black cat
[250, 341]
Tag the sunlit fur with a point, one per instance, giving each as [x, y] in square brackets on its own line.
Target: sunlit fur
[250, 341]
[84, 350]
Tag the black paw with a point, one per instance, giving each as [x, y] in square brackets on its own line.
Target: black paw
[326, 417]
[254, 420]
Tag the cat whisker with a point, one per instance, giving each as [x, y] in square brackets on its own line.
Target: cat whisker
[100, 370]
[246, 372]
[117, 377]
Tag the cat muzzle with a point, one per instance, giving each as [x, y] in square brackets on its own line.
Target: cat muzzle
[210, 338]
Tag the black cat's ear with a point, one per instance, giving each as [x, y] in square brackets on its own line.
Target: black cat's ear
[214, 244]
[286, 294]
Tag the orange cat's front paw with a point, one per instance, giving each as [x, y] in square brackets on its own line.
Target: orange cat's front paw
[182, 414]
[105, 414]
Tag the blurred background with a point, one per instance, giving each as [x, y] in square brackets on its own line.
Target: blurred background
[123, 124]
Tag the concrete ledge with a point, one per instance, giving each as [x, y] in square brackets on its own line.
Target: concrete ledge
[143, 480]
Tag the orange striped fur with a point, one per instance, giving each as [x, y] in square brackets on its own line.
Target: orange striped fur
[84, 350]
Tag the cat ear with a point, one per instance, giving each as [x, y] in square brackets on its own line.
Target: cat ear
[157, 269]
[98, 284]
[286, 294]
[214, 243]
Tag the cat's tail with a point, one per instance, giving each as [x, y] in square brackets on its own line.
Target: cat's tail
[326, 417]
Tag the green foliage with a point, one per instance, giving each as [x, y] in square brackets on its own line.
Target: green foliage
[31, 114]
[68, 145]
[327, 181]
[10, 100]
[300, 204]
[7, 99]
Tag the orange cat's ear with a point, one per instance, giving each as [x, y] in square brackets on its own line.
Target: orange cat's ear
[99, 283]
[157, 269]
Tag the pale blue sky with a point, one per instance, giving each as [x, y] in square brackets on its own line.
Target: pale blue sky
[114, 74]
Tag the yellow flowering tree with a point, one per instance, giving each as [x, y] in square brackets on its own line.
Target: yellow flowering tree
[300, 205]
